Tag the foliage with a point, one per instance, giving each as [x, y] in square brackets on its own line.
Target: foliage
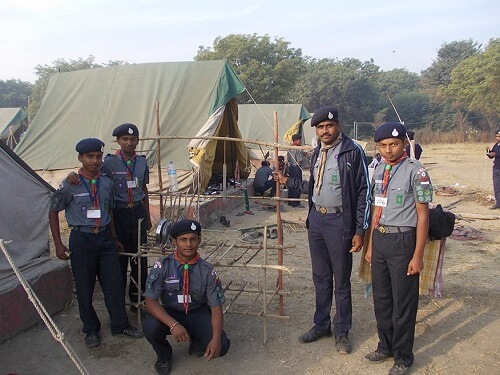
[268, 69]
[45, 72]
[14, 93]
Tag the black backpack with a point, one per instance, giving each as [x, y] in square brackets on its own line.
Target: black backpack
[441, 223]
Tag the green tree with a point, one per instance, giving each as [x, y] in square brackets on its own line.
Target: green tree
[45, 72]
[268, 69]
[475, 85]
[14, 93]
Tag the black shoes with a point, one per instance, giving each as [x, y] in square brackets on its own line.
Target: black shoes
[92, 339]
[377, 356]
[163, 368]
[399, 370]
[313, 335]
[343, 344]
[131, 332]
[195, 349]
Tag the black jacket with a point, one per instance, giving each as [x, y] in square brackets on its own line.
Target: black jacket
[356, 199]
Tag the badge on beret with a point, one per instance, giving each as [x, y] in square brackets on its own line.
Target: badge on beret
[193, 226]
[330, 115]
[395, 133]
[130, 131]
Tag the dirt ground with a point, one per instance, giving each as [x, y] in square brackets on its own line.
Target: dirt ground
[458, 333]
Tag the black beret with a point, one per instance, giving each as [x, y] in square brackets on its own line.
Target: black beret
[281, 158]
[89, 145]
[390, 130]
[328, 113]
[126, 129]
[185, 226]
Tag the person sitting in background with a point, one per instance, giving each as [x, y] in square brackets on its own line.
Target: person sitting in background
[418, 148]
[261, 182]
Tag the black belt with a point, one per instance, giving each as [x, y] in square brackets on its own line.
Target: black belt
[328, 210]
[391, 229]
[94, 230]
[127, 205]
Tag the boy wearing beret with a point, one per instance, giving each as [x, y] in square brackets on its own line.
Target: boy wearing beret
[402, 191]
[192, 296]
[130, 175]
[91, 247]
[494, 153]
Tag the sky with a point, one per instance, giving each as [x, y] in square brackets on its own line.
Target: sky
[394, 33]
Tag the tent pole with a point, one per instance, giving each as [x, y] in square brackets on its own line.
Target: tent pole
[158, 154]
[278, 219]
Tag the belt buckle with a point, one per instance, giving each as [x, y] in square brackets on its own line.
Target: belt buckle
[323, 210]
[130, 205]
[95, 230]
[381, 229]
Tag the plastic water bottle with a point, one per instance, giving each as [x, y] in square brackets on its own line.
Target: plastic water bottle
[172, 177]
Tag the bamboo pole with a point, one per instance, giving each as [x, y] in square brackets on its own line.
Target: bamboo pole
[278, 219]
[264, 296]
[158, 154]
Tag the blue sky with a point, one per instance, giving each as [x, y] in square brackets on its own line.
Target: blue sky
[394, 33]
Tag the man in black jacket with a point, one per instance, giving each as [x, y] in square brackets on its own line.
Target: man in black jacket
[339, 208]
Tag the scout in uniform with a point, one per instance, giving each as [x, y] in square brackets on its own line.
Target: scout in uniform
[494, 153]
[294, 157]
[402, 191]
[92, 251]
[192, 296]
[130, 175]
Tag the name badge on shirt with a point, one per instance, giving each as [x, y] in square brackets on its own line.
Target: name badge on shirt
[93, 214]
[133, 183]
[180, 298]
[381, 202]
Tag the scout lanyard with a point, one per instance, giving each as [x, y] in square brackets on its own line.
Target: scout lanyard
[130, 172]
[93, 192]
[385, 184]
[185, 278]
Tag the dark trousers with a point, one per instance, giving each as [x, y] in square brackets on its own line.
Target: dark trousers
[95, 255]
[395, 294]
[294, 171]
[496, 185]
[198, 324]
[331, 262]
[126, 229]
[269, 184]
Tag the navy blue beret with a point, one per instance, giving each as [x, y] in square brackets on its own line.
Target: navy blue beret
[185, 226]
[296, 136]
[328, 113]
[390, 130]
[89, 145]
[126, 129]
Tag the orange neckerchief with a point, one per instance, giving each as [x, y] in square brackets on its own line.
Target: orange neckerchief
[385, 184]
[185, 278]
[94, 194]
[127, 163]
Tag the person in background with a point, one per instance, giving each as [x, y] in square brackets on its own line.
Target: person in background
[294, 157]
[494, 153]
[192, 296]
[375, 161]
[262, 181]
[402, 191]
[418, 148]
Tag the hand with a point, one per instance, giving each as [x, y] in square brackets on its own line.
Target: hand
[180, 333]
[62, 252]
[357, 243]
[73, 179]
[213, 349]
[416, 266]
[278, 176]
[368, 254]
[119, 246]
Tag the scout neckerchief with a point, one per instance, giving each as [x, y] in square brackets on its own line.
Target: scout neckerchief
[130, 166]
[185, 278]
[322, 162]
[94, 194]
[385, 184]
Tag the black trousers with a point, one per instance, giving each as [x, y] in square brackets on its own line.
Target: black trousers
[496, 185]
[95, 255]
[126, 229]
[198, 324]
[395, 294]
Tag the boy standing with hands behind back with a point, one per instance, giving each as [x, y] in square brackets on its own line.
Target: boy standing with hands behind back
[402, 191]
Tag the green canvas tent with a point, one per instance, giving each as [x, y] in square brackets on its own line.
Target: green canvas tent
[194, 98]
[13, 123]
[256, 121]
